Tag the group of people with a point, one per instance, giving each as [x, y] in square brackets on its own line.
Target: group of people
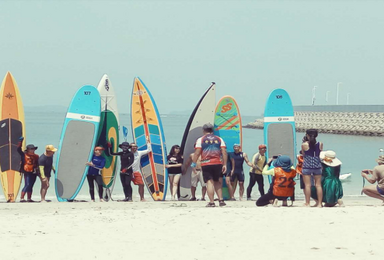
[211, 165]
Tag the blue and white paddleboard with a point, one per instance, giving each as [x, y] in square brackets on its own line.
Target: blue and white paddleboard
[279, 125]
[77, 142]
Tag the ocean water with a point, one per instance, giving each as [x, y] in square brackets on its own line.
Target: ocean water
[355, 152]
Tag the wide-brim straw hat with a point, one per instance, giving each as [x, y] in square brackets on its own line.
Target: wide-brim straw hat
[331, 159]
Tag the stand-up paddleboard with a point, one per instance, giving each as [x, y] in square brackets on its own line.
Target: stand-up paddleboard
[12, 127]
[228, 127]
[146, 123]
[203, 113]
[78, 139]
[279, 125]
[108, 132]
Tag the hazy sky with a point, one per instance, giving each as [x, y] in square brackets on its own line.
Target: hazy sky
[178, 47]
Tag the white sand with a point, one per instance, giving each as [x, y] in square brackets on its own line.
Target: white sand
[165, 230]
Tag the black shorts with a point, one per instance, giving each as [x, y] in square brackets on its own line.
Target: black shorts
[212, 172]
[238, 176]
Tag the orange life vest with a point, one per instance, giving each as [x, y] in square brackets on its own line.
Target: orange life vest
[30, 162]
[283, 183]
[299, 165]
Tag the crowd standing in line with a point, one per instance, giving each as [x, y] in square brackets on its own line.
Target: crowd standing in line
[319, 171]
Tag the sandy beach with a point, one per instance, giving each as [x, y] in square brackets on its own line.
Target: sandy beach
[188, 230]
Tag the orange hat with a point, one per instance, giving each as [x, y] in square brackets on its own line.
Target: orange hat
[262, 146]
[99, 148]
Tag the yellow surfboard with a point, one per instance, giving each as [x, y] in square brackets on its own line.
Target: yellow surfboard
[12, 127]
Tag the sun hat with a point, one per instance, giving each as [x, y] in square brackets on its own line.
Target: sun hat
[236, 145]
[329, 158]
[31, 147]
[380, 160]
[50, 148]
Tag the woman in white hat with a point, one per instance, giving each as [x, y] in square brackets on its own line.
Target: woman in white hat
[331, 184]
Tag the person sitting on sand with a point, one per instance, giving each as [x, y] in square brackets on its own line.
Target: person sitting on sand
[237, 159]
[94, 175]
[29, 167]
[175, 161]
[46, 166]
[137, 178]
[283, 185]
[331, 184]
[196, 176]
[126, 173]
[377, 175]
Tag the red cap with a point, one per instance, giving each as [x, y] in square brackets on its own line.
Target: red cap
[262, 146]
[99, 148]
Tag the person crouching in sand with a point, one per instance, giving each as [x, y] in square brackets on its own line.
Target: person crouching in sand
[283, 185]
[330, 182]
[377, 175]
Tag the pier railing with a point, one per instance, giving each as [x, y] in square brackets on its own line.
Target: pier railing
[346, 123]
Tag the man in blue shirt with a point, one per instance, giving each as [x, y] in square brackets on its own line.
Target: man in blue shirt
[94, 175]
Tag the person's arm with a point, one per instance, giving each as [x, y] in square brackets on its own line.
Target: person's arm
[187, 164]
[225, 158]
[99, 165]
[268, 172]
[321, 146]
[110, 150]
[255, 166]
[305, 146]
[246, 160]
[364, 174]
[197, 153]
[42, 173]
[233, 166]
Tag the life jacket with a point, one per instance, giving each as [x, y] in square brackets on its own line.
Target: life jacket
[30, 162]
[299, 165]
[283, 183]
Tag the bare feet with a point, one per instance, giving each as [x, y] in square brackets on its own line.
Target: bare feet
[101, 200]
[143, 200]
[306, 205]
[341, 203]
[275, 202]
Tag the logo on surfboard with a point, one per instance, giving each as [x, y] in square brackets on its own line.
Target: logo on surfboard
[9, 96]
[226, 108]
[106, 85]
[279, 96]
[283, 119]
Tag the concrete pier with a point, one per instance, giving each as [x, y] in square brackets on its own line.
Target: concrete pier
[335, 122]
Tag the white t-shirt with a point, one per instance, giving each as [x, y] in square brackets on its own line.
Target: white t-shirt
[137, 156]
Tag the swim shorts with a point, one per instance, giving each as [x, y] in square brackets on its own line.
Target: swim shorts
[195, 178]
[380, 190]
[238, 176]
[212, 172]
[137, 179]
[312, 171]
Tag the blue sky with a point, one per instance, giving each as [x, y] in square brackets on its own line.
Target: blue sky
[177, 48]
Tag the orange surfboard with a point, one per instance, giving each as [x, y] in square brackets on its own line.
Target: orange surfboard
[12, 127]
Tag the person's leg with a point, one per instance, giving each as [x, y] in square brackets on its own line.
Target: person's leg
[26, 184]
[230, 188]
[203, 192]
[307, 189]
[260, 183]
[371, 191]
[30, 188]
[91, 187]
[241, 190]
[123, 183]
[210, 190]
[252, 181]
[176, 180]
[44, 187]
[240, 178]
[319, 190]
[193, 193]
[265, 199]
[203, 185]
[218, 190]
[141, 192]
[99, 182]
[170, 178]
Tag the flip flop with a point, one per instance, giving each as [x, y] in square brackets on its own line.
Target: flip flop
[211, 205]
